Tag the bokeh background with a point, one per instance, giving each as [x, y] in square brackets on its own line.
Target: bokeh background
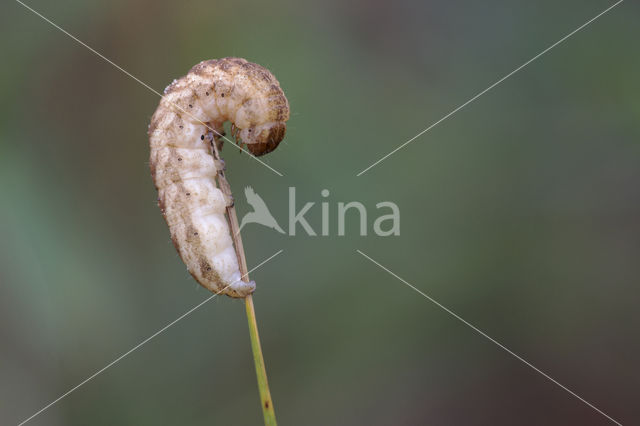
[521, 213]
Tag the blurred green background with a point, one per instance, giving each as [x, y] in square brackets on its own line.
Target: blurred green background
[521, 213]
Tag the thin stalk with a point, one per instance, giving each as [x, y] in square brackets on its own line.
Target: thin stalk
[261, 371]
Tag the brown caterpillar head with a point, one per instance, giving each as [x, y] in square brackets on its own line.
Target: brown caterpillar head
[263, 138]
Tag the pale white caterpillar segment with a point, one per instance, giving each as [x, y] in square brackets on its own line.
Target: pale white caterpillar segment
[184, 171]
[169, 129]
[188, 164]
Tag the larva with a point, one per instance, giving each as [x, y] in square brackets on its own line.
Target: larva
[183, 128]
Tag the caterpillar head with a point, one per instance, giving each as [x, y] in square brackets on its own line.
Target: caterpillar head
[263, 138]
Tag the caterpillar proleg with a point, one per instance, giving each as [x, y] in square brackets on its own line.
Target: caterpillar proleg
[192, 195]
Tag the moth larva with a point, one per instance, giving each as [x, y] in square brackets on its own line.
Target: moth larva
[188, 120]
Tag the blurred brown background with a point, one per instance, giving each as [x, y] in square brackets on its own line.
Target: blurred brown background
[520, 213]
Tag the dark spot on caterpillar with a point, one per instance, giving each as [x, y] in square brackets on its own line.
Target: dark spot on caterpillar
[201, 137]
[195, 233]
[188, 193]
[206, 93]
[205, 266]
[249, 129]
[222, 95]
[181, 126]
[190, 106]
[179, 158]
[266, 404]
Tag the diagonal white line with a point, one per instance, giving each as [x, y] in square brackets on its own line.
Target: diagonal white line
[94, 375]
[490, 87]
[482, 333]
[146, 85]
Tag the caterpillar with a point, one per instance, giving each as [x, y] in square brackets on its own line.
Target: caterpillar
[185, 133]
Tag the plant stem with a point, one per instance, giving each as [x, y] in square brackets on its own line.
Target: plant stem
[261, 371]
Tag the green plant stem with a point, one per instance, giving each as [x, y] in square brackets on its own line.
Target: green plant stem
[261, 371]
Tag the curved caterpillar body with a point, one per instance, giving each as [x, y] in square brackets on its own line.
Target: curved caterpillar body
[184, 170]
